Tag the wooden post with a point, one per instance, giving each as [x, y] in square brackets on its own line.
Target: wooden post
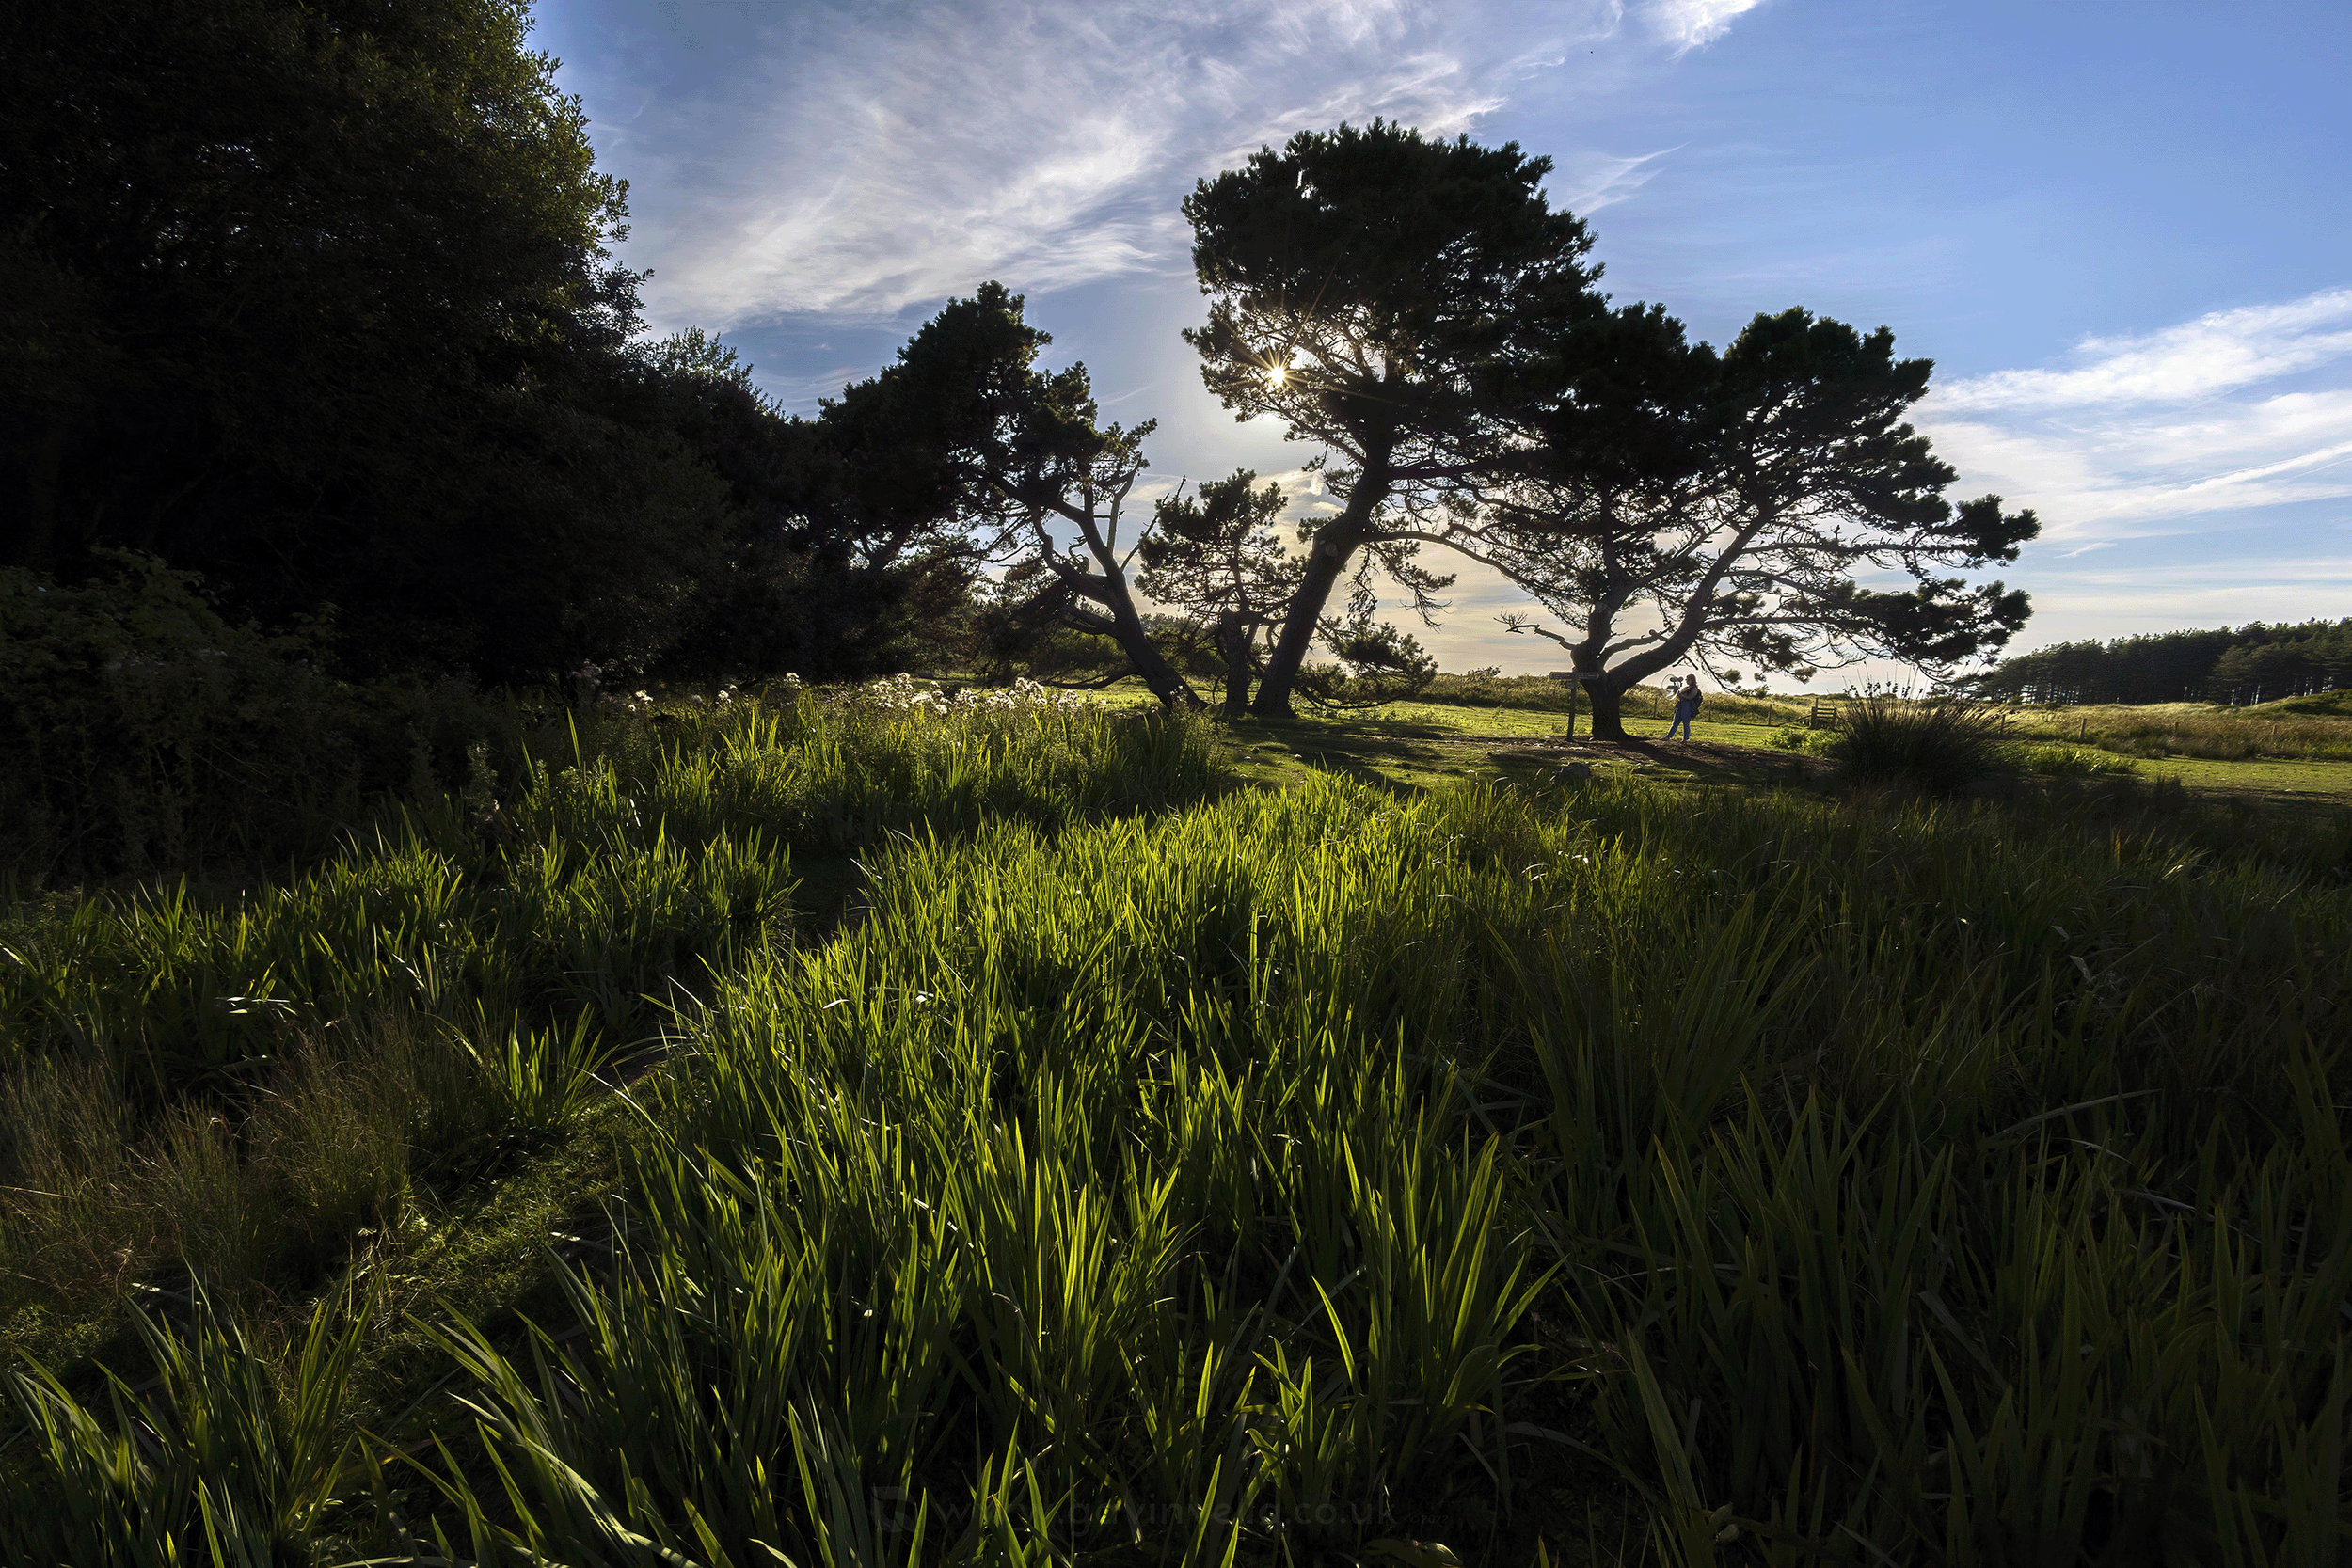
[1574, 685]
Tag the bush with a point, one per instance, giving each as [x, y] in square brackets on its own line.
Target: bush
[139, 730]
[1811, 743]
[134, 720]
[2072, 762]
[1938, 747]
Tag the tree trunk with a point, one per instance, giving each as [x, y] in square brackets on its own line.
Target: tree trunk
[1608, 712]
[1172, 688]
[1233, 643]
[1334, 547]
[1324, 565]
[1608, 685]
[1608, 695]
[1605, 687]
[1111, 592]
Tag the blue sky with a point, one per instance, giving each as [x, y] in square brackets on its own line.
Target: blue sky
[2121, 230]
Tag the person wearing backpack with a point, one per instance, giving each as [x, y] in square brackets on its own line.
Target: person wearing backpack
[1686, 707]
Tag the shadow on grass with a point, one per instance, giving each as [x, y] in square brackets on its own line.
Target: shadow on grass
[1360, 768]
[1363, 725]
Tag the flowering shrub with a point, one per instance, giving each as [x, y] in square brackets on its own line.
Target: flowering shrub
[641, 703]
[906, 694]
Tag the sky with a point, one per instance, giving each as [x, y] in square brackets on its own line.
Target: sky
[2120, 229]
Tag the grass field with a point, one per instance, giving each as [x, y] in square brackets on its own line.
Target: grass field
[1421, 744]
[851, 1132]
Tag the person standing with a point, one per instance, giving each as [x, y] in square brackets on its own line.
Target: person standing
[1687, 702]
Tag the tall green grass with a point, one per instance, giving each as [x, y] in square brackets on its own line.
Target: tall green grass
[254, 1080]
[1317, 1176]
[228, 1460]
[582, 883]
[1243, 1181]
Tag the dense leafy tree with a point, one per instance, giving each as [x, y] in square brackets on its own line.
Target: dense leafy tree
[2167, 666]
[2282, 661]
[1680, 505]
[1366, 286]
[315, 297]
[827, 562]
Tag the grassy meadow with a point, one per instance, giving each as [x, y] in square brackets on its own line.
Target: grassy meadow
[853, 1128]
[2294, 752]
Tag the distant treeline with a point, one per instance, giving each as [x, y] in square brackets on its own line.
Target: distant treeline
[2255, 662]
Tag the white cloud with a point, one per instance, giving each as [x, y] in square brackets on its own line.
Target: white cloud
[2140, 434]
[2214, 354]
[854, 161]
[1688, 25]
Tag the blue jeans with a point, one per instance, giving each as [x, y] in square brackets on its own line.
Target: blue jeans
[1682, 721]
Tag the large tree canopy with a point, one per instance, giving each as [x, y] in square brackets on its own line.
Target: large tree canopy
[830, 559]
[1366, 288]
[314, 297]
[1675, 504]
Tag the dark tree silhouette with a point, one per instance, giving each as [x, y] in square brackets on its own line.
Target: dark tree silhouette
[315, 296]
[1042, 486]
[1675, 504]
[2219, 665]
[835, 556]
[1365, 286]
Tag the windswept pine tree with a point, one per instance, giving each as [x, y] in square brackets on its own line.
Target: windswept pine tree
[1366, 286]
[1674, 504]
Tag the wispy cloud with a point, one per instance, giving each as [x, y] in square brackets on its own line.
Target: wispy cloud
[1588, 181]
[2217, 352]
[1688, 25]
[2137, 433]
[854, 161]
